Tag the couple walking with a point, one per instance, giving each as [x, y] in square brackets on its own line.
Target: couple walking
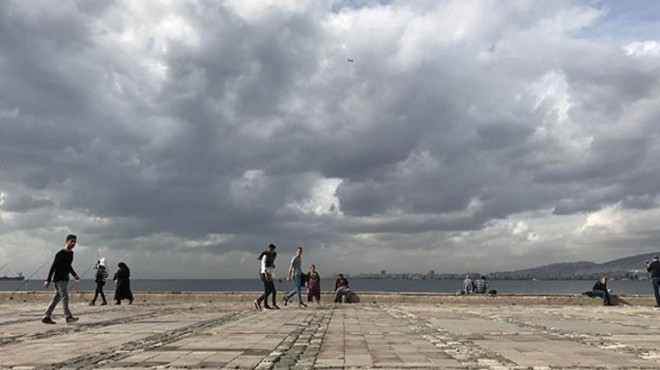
[267, 275]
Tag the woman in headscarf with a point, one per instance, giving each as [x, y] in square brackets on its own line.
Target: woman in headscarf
[313, 285]
[99, 279]
[123, 279]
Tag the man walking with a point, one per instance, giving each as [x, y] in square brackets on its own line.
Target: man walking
[295, 271]
[654, 269]
[59, 274]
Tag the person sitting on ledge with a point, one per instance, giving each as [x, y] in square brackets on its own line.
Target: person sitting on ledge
[468, 285]
[342, 290]
[481, 285]
[600, 290]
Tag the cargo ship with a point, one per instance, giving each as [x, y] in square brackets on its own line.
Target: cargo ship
[18, 276]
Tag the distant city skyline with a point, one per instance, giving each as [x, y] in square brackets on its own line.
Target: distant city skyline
[182, 137]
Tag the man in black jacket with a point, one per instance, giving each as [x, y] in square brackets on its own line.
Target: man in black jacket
[59, 274]
[654, 269]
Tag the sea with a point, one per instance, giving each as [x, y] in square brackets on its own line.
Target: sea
[358, 285]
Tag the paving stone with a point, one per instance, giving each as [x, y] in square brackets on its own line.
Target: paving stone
[349, 336]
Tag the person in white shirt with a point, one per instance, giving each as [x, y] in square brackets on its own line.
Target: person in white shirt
[267, 262]
[468, 285]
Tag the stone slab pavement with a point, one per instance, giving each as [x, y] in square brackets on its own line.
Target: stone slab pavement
[234, 335]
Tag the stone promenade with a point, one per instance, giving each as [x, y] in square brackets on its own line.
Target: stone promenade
[233, 335]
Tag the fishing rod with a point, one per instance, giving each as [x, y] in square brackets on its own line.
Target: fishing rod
[3, 266]
[83, 275]
[11, 298]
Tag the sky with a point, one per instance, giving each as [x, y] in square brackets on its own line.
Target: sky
[182, 137]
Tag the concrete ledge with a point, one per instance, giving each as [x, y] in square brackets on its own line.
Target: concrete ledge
[365, 298]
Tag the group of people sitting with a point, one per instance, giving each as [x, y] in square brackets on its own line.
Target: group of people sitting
[479, 286]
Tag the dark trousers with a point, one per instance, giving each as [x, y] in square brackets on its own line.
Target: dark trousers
[269, 288]
[656, 289]
[99, 291]
[604, 294]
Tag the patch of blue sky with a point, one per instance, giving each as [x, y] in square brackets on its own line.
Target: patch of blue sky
[625, 20]
[340, 5]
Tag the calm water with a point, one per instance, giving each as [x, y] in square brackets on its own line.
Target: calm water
[359, 285]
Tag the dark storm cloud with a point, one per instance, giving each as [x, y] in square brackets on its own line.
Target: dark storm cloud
[212, 129]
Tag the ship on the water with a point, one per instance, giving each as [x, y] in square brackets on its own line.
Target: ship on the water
[18, 276]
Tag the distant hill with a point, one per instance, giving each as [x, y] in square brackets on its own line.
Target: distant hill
[628, 267]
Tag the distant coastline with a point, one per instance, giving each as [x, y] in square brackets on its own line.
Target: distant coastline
[628, 268]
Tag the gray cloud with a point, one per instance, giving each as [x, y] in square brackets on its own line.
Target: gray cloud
[206, 130]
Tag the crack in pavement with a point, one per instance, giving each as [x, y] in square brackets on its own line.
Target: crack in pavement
[79, 327]
[301, 347]
[465, 351]
[108, 357]
[599, 342]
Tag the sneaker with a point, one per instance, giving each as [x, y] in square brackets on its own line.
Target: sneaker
[286, 300]
[92, 303]
[257, 306]
[103, 304]
[276, 307]
[266, 307]
[48, 320]
[302, 305]
[71, 319]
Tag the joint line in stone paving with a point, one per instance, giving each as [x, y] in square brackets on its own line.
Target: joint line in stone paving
[301, 347]
[466, 352]
[39, 314]
[79, 327]
[110, 356]
[600, 342]
[72, 328]
[599, 320]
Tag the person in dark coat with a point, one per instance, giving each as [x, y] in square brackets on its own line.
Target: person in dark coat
[600, 290]
[654, 269]
[99, 279]
[123, 279]
[342, 290]
[313, 285]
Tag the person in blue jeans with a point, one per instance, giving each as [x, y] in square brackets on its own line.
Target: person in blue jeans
[654, 269]
[295, 272]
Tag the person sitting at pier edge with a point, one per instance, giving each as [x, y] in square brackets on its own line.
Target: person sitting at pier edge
[99, 279]
[468, 285]
[313, 285]
[600, 290]
[342, 290]
[123, 279]
[481, 285]
[654, 269]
